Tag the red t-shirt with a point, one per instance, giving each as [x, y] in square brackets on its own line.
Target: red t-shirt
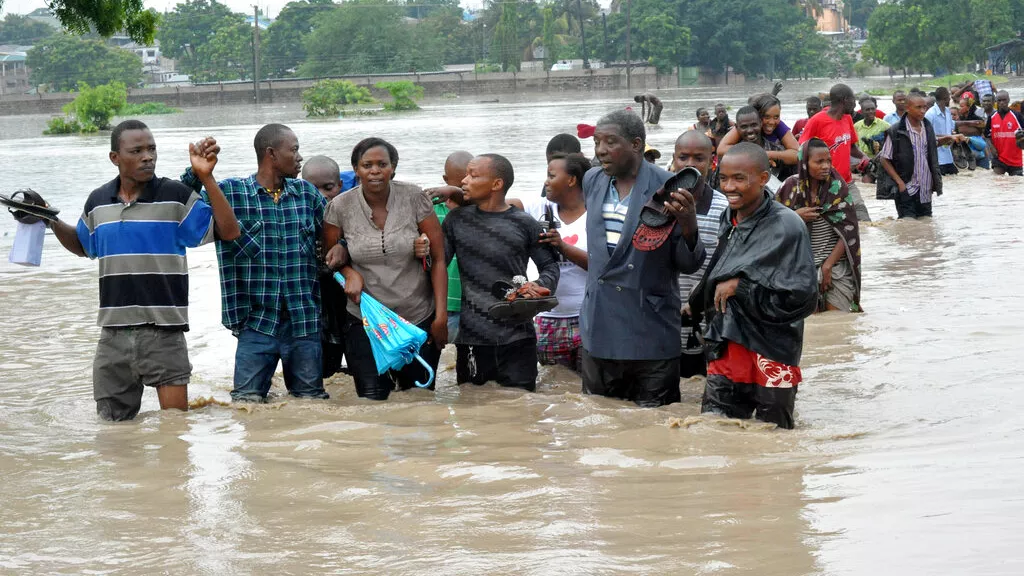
[798, 128]
[839, 135]
[1002, 130]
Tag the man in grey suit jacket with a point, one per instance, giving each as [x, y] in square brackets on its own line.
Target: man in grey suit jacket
[630, 321]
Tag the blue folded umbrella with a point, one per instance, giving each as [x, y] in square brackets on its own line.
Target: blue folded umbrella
[395, 341]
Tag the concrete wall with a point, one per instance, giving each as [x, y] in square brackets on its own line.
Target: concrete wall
[460, 83]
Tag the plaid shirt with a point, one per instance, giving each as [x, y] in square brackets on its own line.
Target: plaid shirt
[273, 265]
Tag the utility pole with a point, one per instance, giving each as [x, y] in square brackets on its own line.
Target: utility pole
[583, 35]
[629, 58]
[256, 53]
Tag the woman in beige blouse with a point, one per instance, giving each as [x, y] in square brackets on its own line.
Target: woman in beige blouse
[378, 221]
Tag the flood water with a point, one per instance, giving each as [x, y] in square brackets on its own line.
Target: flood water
[906, 459]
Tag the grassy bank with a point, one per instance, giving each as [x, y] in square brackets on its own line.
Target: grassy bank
[928, 84]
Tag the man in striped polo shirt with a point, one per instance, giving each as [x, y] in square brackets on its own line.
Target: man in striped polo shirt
[138, 226]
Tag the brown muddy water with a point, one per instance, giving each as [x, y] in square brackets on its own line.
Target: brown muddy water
[906, 459]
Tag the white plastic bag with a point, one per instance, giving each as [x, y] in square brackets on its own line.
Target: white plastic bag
[28, 244]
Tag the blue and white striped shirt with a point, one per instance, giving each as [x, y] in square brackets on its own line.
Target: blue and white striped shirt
[614, 210]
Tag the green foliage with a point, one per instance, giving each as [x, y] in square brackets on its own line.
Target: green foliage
[226, 56]
[548, 38]
[147, 109]
[665, 43]
[91, 110]
[368, 36]
[458, 41]
[328, 98]
[106, 18]
[748, 35]
[486, 67]
[861, 11]
[63, 61]
[95, 107]
[185, 33]
[842, 55]
[17, 29]
[507, 49]
[62, 125]
[404, 95]
[283, 44]
[861, 68]
[801, 51]
[930, 35]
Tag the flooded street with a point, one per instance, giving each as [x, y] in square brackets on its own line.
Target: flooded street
[908, 446]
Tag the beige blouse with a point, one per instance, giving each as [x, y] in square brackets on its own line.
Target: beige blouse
[391, 272]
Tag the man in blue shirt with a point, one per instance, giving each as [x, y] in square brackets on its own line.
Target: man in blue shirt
[138, 226]
[270, 290]
[899, 99]
[942, 122]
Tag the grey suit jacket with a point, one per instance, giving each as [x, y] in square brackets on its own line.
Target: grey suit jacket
[631, 309]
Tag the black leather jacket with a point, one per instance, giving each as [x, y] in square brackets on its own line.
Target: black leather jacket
[770, 252]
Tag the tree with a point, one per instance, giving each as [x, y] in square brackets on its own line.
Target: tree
[367, 36]
[548, 38]
[191, 25]
[892, 29]
[91, 110]
[96, 106]
[459, 41]
[328, 98]
[801, 50]
[283, 48]
[61, 62]
[227, 56]
[404, 95]
[507, 50]
[106, 18]
[665, 43]
[16, 29]
[861, 11]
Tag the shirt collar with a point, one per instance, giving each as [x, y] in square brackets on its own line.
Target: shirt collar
[147, 194]
[289, 186]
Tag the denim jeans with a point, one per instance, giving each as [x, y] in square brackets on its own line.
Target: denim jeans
[256, 360]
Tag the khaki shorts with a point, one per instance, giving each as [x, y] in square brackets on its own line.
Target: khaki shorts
[129, 359]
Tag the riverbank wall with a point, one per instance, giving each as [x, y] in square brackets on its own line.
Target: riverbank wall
[435, 85]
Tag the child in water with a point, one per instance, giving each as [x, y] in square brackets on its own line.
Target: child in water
[493, 241]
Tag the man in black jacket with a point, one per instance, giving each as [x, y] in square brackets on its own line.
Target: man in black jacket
[910, 160]
[759, 287]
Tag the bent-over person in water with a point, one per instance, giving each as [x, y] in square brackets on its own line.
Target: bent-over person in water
[138, 227]
[759, 288]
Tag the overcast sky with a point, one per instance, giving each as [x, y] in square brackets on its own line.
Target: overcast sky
[271, 7]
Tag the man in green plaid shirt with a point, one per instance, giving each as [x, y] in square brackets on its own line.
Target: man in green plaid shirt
[270, 293]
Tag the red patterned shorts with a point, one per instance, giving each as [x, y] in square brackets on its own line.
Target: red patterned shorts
[745, 366]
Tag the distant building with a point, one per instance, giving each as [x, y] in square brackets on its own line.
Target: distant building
[13, 73]
[265, 22]
[829, 15]
[46, 17]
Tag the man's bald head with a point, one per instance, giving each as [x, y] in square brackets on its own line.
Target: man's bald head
[322, 172]
[455, 167]
[693, 149]
[695, 138]
[752, 153]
